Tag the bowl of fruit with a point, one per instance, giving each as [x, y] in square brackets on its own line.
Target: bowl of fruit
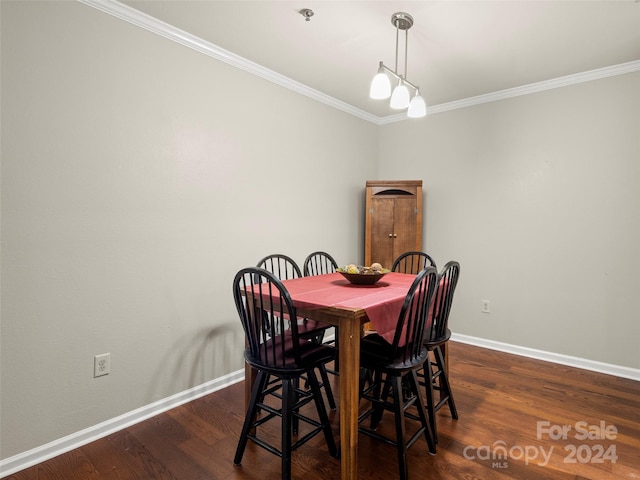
[359, 275]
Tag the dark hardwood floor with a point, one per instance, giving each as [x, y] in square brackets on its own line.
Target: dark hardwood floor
[519, 419]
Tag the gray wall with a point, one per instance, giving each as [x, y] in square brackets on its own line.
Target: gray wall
[134, 187]
[538, 198]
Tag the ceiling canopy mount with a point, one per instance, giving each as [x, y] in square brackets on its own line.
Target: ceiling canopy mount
[402, 21]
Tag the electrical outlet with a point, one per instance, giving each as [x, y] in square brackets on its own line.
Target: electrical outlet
[101, 365]
[485, 306]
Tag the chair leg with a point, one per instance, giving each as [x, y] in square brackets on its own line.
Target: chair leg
[398, 402]
[444, 382]
[398, 393]
[252, 411]
[327, 386]
[289, 396]
[322, 413]
[381, 394]
[429, 433]
[366, 377]
[430, 401]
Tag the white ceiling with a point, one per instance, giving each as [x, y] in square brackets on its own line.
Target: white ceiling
[457, 49]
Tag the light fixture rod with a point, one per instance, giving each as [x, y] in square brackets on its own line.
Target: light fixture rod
[399, 77]
[397, 37]
[402, 21]
[406, 50]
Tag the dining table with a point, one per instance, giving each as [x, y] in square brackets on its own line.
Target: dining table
[332, 299]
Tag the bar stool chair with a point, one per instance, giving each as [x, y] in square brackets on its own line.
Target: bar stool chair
[392, 369]
[434, 376]
[276, 351]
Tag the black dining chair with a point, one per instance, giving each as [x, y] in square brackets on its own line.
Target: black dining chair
[412, 262]
[276, 351]
[434, 376]
[285, 268]
[392, 372]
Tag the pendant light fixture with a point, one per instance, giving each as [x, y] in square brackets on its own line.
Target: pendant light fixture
[381, 84]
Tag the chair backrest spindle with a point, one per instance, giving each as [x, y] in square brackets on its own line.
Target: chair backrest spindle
[410, 330]
[438, 326]
[412, 262]
[319, 263]
[282, 266]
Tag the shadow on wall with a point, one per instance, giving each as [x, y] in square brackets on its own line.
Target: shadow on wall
[198, 358]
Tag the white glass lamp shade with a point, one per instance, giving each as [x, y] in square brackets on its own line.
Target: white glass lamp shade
[417, 107]
[400, 97]
[380, 86]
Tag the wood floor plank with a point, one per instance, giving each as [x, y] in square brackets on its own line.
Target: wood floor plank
[501, 400]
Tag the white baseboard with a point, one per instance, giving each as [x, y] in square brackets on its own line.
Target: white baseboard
[45, 452]
[610, 369]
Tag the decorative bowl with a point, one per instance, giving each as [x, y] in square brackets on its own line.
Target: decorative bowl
[368, 278]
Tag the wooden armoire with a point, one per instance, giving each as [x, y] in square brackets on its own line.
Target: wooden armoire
[393, 220]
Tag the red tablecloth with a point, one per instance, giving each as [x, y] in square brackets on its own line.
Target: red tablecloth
[382, 302]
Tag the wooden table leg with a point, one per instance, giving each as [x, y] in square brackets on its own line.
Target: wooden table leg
[349, 341]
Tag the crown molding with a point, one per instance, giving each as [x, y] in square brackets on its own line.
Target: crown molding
[152, 24]
[565, 81]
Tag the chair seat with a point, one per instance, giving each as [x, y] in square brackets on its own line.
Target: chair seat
[375, 352]
[283, 355]
[431, 344]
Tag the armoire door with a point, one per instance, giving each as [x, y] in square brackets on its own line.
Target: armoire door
[382, 231]
[406, 231]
